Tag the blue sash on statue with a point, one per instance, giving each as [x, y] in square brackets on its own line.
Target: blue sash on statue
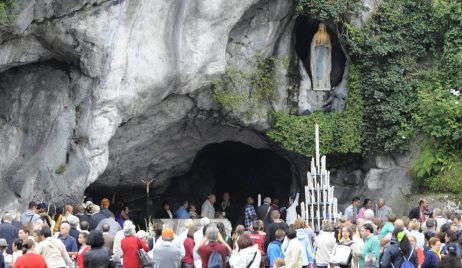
[320, 63]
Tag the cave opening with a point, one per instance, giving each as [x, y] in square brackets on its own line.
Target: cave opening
[238, 169]
[305, 29]
[230, 166]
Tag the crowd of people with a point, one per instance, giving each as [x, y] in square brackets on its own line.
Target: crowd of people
[367, 235]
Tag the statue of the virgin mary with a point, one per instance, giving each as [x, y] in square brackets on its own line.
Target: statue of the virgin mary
[320, 60]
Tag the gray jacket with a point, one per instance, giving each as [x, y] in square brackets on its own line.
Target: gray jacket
[166, 255]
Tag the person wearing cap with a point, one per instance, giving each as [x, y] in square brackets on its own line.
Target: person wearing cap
[451, 259]
[264, 212]
[8, 231]
[166, 255]
[176, 242]
[400, 249]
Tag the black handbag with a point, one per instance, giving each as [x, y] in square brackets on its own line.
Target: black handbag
[145, 261]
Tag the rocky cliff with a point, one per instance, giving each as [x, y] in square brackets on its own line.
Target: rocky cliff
[111, 92]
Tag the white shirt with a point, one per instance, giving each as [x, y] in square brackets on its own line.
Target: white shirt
[207, 210]
[117, 248]
[419, 238]
[292, 211]
[244, 257]
[324, 244]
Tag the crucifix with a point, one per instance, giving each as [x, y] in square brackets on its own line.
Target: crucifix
[148, 184]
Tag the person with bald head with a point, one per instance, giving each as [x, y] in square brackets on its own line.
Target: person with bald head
[382, 211]
[208, 210]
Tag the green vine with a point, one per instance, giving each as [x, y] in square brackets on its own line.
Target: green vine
[248, 91]
[6, 8]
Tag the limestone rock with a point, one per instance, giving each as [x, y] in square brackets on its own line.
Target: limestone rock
[114, 91]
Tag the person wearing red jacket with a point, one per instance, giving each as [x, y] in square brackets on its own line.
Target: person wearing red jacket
[30, 259]
[130, 245]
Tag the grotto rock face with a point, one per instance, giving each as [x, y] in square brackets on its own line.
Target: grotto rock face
[106, 93]
[120, 90]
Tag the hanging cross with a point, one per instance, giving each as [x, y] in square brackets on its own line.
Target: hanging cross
[147, 183]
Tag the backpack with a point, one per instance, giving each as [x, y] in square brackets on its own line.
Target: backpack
[407, 263]
[215, 260]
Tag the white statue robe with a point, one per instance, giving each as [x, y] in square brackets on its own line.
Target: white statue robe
[320, 64]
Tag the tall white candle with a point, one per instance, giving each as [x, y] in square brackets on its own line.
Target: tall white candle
[328, 178]
[313, 167]
[302, 210]
[335, 210]
[259, 200]
[317, 147]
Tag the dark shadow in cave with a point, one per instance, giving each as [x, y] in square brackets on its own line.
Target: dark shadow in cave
[305, 28]
[232, 167]
[236, 168]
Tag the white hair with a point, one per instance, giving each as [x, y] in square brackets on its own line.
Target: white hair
[205, 221]
[369, 214]
[129, 230]
[128, 223]
[95, 209]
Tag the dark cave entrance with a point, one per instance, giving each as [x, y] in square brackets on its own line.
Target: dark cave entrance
[305, 28]
[236, 168]
[232, 167]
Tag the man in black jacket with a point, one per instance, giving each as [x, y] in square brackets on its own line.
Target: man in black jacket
[421, 212]
[264, 212]
[8, 231]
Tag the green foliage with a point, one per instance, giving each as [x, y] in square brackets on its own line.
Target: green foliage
[387, 50]
[6, 7]
[340, 132]
[333, 10]
[61, 169]
[248, 89]
[439, 112]
[409, 60]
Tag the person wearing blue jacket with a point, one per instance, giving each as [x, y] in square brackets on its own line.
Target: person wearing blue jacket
[433, 255]
[274, 248]
[182, 212]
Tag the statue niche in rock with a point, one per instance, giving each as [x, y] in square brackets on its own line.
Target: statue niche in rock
[320, 60]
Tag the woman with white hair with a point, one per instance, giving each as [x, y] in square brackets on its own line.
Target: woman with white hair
[130, 245]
